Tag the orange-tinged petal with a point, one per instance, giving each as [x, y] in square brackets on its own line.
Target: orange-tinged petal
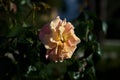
[70, 49]
[71, 38]
[68, 27]
[59, 39]
[54, 23]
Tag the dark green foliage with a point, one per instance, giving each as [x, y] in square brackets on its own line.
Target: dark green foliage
[22, 56]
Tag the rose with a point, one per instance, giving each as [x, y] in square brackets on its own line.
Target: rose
[59, 39]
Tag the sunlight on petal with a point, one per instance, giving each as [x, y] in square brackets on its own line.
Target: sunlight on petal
[59, 39]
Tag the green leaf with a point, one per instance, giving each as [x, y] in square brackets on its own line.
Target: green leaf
[15, 31]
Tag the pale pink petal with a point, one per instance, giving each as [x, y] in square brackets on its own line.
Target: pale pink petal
[52, 55]
[13, 7]
[45, 35]
[44, 31]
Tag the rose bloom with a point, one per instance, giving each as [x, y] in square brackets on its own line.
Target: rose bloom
[59, 39]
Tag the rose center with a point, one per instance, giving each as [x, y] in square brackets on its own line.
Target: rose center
[62, 40]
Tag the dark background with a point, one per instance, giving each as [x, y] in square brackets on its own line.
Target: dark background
[108, 68]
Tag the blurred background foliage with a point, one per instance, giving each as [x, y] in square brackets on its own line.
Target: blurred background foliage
[22, 55]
